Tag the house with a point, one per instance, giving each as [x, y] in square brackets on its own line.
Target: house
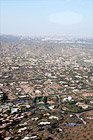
[14, 110]
[79, 104]
[28, 138]
[35, 119]
[69, 98]
[37, 91]
[87, 94]
[21, 129]
[44, 123]
[1, 91]
[53, 117]
[7, 138]
[51, 107]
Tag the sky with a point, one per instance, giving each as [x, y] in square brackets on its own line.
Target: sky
[46, 17]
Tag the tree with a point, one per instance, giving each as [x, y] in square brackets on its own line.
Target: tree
[4, 97]
[35, 99]
[45, 99]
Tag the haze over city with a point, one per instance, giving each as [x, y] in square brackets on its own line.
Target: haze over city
[46, 17]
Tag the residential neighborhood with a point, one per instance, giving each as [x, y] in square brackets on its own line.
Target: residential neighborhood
[48, 96]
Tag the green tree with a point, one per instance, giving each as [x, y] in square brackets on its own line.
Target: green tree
[4, 97]
[45, 99]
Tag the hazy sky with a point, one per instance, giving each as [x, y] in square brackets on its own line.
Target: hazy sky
[38, 17]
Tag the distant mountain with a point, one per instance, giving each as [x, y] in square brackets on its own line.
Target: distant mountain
[20, 39]
[10, 38]
[39, 46]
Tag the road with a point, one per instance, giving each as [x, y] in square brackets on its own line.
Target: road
[84, 122]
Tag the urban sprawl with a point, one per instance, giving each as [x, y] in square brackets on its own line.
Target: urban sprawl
[46, 88]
